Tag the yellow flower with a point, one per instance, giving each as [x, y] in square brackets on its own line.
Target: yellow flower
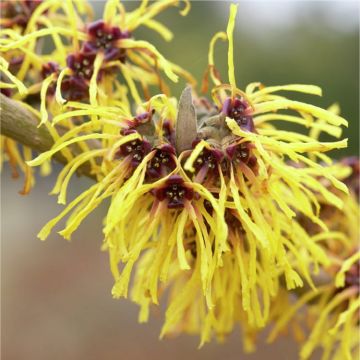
[102, 54]
[91, 61]
[246, 161]
[213, 207]
[243, 156]
[332, 311]
[241, 292]
[144, 177]
[332, 314]
[20, 68]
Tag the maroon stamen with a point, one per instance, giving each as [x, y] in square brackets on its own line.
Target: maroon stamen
[206, 164]
[240, 111]
[238, 153]
[49, 68]
[74, 88]
[82, 64]
[135, 149]
[175, 192]
[162, 163]
[241, 154]
[105, 37]
[209, 158]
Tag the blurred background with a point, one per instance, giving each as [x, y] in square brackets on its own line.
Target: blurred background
[56, 300]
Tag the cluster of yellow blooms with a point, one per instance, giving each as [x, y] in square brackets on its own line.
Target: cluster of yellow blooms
[211, 205]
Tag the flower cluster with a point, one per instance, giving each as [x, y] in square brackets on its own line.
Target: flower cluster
[210, 201]
[87, 59]
[331, 312]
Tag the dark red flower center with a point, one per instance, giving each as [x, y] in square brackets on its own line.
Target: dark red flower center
[162, 163]
[209, 158]
[75, 86]
[239, 152]
[49, 68]
[135, 149]
[175, 192]
[104, 37]
[82, 64]
[240, 111]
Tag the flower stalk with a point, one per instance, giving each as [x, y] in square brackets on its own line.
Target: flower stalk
[20, 124]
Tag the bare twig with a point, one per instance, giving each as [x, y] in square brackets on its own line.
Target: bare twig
[18, 123]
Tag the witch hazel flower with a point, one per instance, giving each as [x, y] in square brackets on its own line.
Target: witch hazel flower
[331, 313]
[111, 51]
[93, 58]
[253, 177]
[195, 202]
